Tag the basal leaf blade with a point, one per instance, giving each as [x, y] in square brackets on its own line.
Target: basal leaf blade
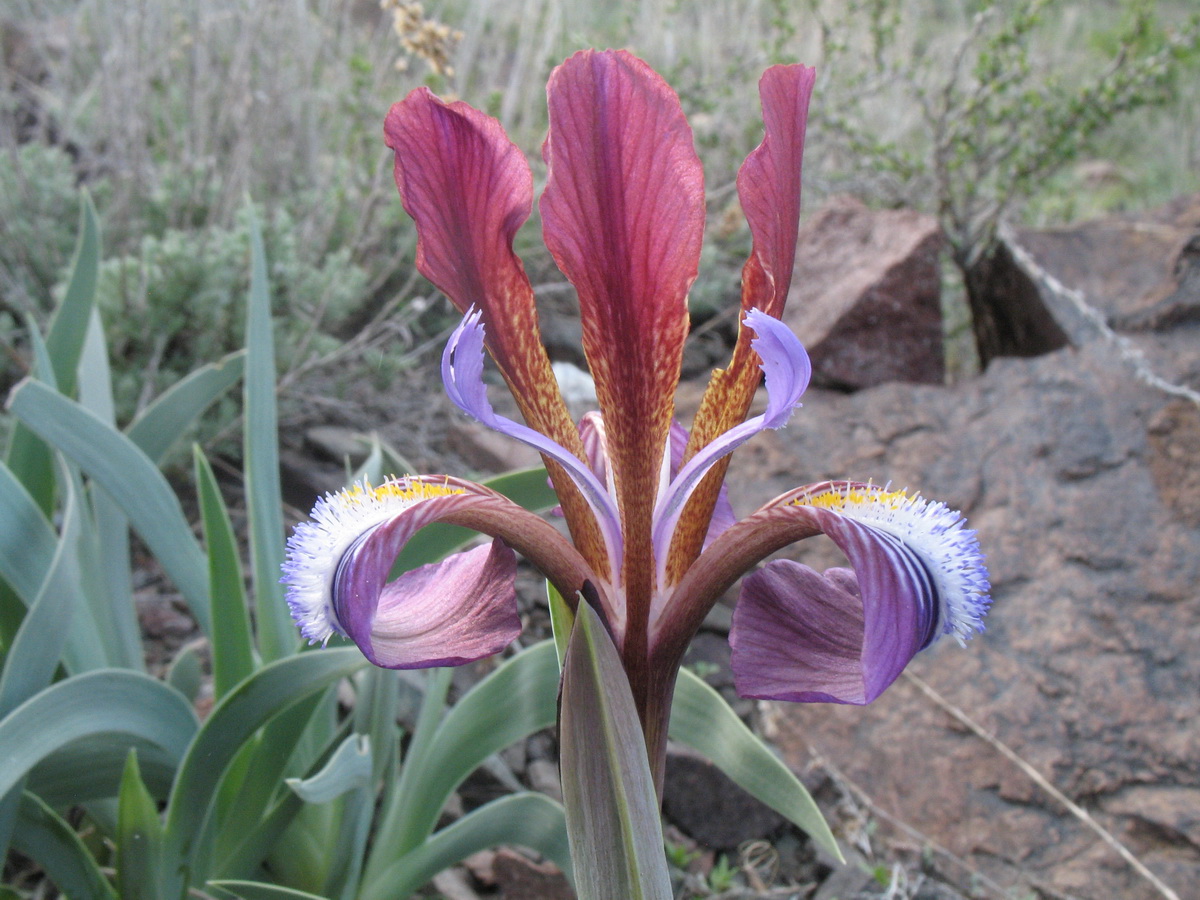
[139, 838]
[530, 820]
[612, 809]
[101, 702]
[35, 651]
[264, 502]
[257, 890]
[116, 464]
[347, 770]
[232, 638]
[271, 690]
[516, 700]
[165, 420]
[43, 836]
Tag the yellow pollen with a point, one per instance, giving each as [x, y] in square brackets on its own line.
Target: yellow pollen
[393, 489]
[837, 498]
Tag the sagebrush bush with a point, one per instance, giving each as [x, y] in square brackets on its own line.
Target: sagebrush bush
[39, 216]
[175, 303]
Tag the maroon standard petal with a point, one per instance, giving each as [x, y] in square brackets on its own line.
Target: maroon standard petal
[769, 187]
[769, 191]
[623, 215]
[469, 189]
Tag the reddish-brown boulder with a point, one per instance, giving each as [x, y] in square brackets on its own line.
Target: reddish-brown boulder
[866, 295]
[1080, 482]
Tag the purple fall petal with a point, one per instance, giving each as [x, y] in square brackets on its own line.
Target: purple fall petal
[798, 635]
[841, 638]
[448, 613]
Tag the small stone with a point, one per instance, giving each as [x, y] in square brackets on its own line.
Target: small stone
[544, 778]
[454, 884]
[520, 878]
[706, 805]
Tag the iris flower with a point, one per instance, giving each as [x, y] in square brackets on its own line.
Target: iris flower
[653, 542]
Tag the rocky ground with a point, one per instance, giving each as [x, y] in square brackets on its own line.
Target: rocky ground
[1058, 755]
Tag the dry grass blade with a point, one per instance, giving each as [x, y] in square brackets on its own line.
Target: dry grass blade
[1040, 780]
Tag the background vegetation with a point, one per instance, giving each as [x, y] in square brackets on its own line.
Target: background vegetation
[172, 115]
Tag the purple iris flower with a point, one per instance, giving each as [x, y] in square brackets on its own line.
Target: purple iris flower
[652, 536]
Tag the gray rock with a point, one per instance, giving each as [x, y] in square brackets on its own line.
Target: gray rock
[1083, 485]
[1139, 272]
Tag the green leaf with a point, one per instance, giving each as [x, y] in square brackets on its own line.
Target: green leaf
[256, 890]
[232, 639]
[100, 702]
[139, 838]
[348, 769]
[381, 462]
[91, 770]
[611, 806]
[186, 672]
[28, 456]
[516, 700]
[561, 621]
[27, 540]
[68, 329]
[701, 719]
[113, 461]
[264, 503]
[44, 837]
[166, 419]
[248, 847]
[531, 820]
[105, 550]
[34, 653]
[375, 712]
[401, 823]
[95, 375]
[288, 745]
[270, 691]
[27, 547]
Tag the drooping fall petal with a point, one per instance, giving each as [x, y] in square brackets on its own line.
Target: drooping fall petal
[623, 216]
[447, 613]
[918, 573]
[469, 189]
[800, 634]
[769, 191]
[338, 564]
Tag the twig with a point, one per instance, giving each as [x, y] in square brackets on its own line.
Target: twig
[849, 787]
[1037, 778]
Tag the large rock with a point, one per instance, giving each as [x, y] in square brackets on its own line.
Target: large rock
[1082, 483]
[867, 279]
